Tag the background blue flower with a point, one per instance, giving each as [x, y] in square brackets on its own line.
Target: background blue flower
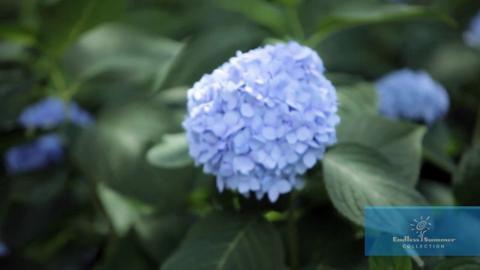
[413, 95]
[39, 154]
[472, 35]
[263, 118]
[52, 111]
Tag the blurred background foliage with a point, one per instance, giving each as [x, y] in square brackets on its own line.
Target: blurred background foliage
[128, 197]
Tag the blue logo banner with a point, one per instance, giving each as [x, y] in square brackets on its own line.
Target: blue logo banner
[422, 231]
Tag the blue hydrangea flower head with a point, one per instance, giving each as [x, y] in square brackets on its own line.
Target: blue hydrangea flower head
[412, 95]
[262, 119]
[51, 112]
[472, 35]
[39, 154]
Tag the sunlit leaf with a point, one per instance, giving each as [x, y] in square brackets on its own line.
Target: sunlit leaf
[399, 142]
[171, 152]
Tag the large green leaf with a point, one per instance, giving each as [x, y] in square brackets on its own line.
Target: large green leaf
[321, 245]
[467, 178]
[125, 253]
[65, 21]
[159, 234]
[223, 241]
[436, 193]
[399, 142]
[357, 176]
[436, 147]
[389, 263]
[123, 212]
[171, 152]
[127, 52]
[262, 12]
[348, 17]
[113, 152]
[360, 98]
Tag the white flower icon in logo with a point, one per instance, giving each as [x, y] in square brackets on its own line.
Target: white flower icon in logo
[421, 226]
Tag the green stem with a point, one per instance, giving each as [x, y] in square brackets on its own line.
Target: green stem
[297, 29]
[293, 234]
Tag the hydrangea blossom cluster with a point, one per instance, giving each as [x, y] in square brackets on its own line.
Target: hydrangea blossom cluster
[42, 152]
[413, 95]
[52, 111]
[262, 119]
[47, 149]
[472, 35]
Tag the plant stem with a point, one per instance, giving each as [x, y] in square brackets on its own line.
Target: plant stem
[293, 234]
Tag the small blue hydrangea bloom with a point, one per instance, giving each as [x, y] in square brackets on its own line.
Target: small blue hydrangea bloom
[412, 95]
[262, 119]
[51, 112]
[39, 154]
[472, 35]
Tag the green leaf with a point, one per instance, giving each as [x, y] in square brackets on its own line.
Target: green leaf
[113, 152]
[65, 21]
[204, 52]
[454, 64]
[122, 211]
[223, 241]
[357, 176]
[262, 12]
[129, 53]
[355, 16]
[125, 253]
[399, 142]
[15, 85]
[436, 193]
[360, 98]
[176, 97]
[160, 235]
[436, 147]
[321, 245]
[389, 263]
[467, 184]
[17, 35]
[171, 152]
[458, 264]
